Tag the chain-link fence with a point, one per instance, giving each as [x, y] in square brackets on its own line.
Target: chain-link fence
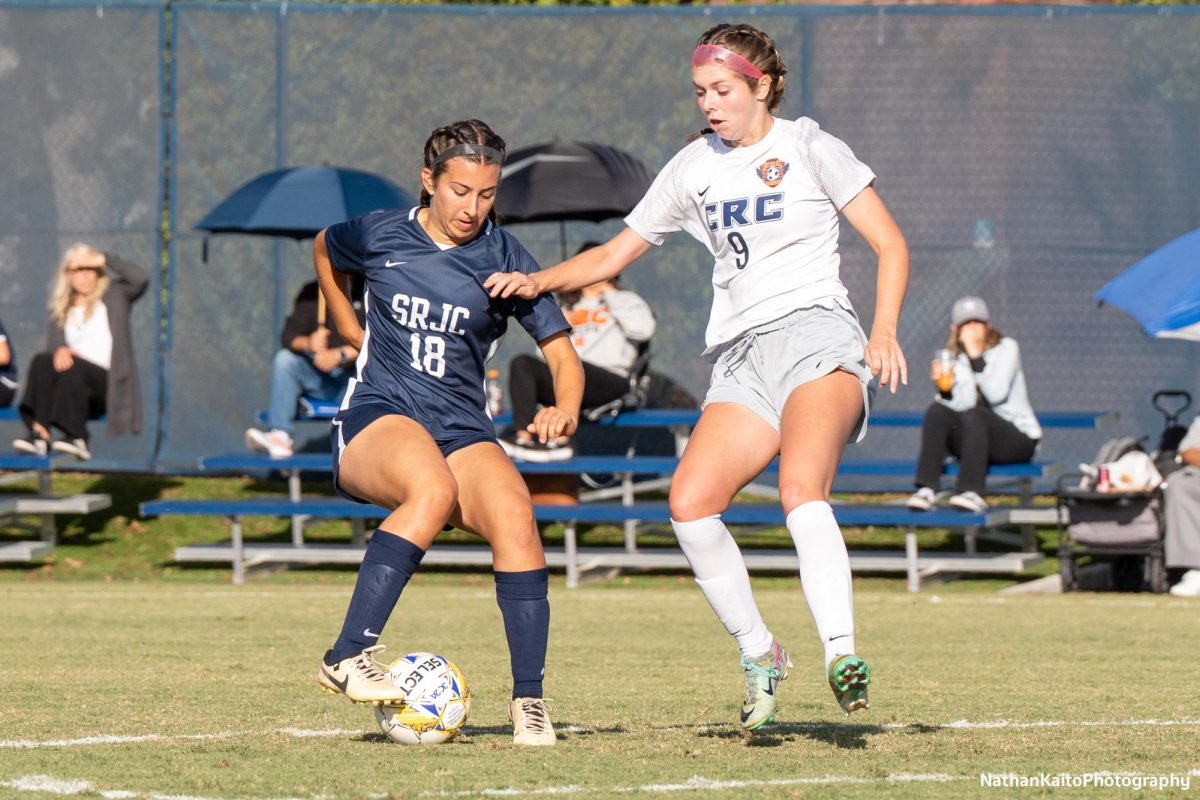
[1028, 154]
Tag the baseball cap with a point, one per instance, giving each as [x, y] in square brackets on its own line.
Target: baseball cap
[969, 308]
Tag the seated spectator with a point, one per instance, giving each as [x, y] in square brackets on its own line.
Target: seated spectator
[313, 360]
[981, 413]
[8, 370]
[88, 369]
[607, 326]
[1181, 512]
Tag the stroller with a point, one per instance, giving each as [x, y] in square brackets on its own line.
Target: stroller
[1123, 528]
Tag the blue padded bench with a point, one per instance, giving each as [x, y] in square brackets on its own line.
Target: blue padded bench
[626, 468]
[637, 465]
[576, 559]
[686, 417]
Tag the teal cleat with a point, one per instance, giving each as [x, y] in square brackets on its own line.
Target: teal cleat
[848, 677]
[763, 675]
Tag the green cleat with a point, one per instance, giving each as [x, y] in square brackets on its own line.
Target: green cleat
[763, 675]
[848, 677]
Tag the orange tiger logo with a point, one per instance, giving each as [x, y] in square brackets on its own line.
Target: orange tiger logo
[772, 171]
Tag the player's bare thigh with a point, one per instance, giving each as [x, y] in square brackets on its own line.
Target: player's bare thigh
[817, 420]
[729, 447]
[395, 464]
[493, 502]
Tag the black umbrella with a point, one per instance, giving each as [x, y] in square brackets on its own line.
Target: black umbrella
[298, 202]
[570, 181]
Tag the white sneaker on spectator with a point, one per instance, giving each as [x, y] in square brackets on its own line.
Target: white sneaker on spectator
[922, 499]
[1188, 586]
[35, 446]
[969, 501]
[555, 450]
[275, 443]
[73, 447]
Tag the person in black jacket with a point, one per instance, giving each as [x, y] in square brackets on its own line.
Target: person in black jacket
[313, 360]
[8, 370]
[88, 369]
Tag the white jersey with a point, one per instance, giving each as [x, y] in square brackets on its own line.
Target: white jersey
[769, 215]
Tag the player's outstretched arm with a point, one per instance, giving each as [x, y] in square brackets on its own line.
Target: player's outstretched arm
[590, 266]
[566, 371]
[335, 286]
[870, 217]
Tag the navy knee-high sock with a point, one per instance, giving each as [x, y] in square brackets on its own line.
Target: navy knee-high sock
[525, 606]
[386, 567]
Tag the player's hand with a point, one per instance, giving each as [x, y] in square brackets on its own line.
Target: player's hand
[551, 423]
[327, 360]
[886, 360]
[63, 359]
[511, 284]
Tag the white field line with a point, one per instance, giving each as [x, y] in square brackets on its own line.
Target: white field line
[303, 733]
[45, 784]
[87, 741]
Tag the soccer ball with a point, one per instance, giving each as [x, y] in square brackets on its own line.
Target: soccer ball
[436, 705]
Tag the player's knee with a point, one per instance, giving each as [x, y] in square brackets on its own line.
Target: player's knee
[689, 501]
[438, 496]
[515, 515]
[794, 493]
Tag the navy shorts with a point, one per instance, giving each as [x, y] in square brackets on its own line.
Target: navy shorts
[351, 421]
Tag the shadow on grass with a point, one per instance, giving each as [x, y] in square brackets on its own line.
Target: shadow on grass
[565, 731]
[843, 735]
[126, 491]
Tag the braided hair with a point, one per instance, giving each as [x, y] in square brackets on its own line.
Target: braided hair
[470, 132]
[756, 47]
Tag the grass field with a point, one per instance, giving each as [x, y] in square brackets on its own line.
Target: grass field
[166, 690]
[126, 676]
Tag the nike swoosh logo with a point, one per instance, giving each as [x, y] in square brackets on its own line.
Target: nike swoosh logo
[367, 632]
[340, 684]
[390, 263]
[704, 191]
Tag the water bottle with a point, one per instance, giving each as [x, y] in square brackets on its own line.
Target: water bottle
[494, 391]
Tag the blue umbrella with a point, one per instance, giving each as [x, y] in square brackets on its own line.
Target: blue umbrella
[298, 202]
[1162, 291]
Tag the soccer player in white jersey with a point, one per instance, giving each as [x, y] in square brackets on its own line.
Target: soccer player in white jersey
[791, 363]
[413, 435]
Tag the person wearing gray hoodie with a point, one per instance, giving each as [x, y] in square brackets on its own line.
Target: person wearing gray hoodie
[981, 413]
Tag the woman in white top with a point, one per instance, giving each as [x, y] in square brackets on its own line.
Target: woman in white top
[608, 327]
[88, 369]
[981, 414]
[791, 362]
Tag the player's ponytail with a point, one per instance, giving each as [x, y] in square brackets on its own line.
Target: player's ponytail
[756, 47]
[470, 138]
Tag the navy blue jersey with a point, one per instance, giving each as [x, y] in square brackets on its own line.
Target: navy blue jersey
[8, 372]
[430, 324]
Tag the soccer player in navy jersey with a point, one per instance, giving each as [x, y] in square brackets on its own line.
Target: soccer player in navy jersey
[791, 363]
[413, 434]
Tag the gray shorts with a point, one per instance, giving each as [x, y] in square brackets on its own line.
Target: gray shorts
[761, 368]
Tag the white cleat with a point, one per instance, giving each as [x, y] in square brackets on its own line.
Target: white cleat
[531, 722]
[360, 678]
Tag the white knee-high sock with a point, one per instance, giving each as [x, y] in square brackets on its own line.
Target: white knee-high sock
[824, 575]
[721, 574]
